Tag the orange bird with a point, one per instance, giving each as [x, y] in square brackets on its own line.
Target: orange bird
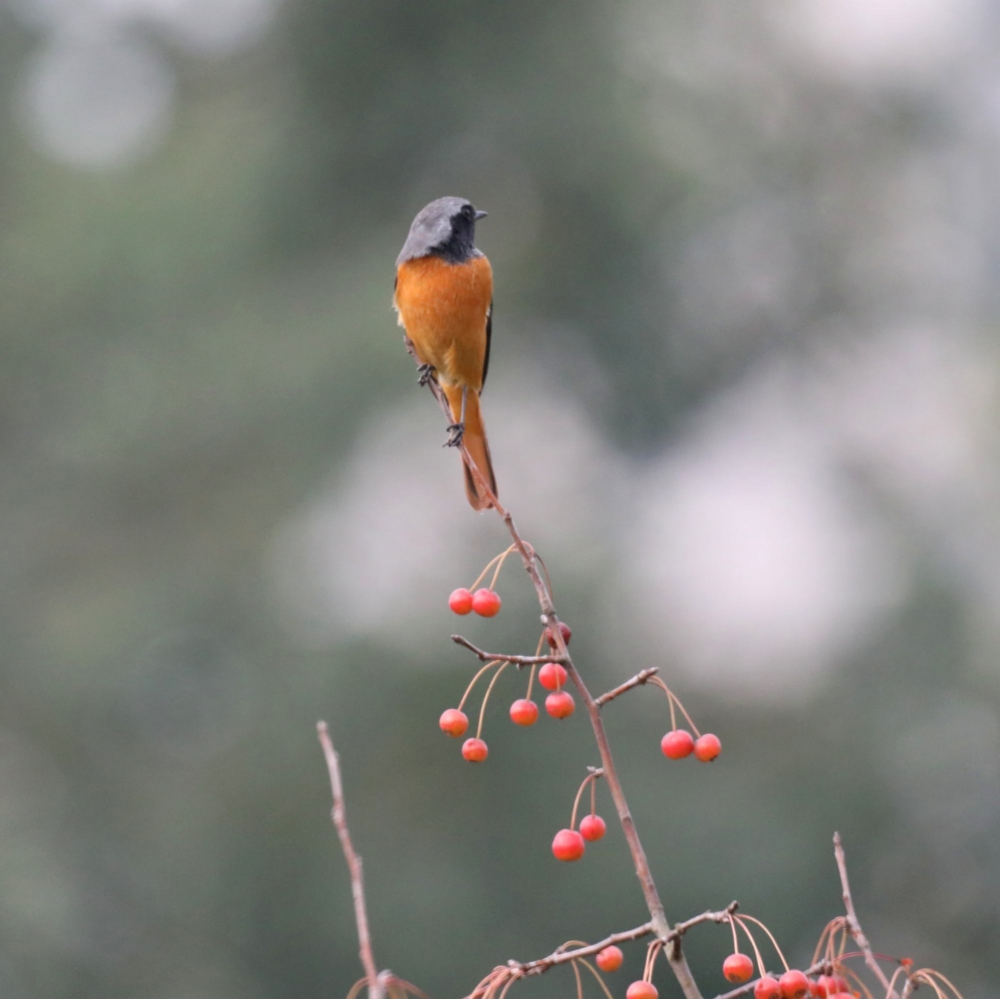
[444, 297]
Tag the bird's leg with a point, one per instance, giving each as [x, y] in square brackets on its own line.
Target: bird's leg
[426, 372]
[457, 430]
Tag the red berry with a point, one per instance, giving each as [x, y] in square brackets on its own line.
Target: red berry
[833, 984]
[486, 603]
[707, 748]
[560, 704]
[592, 828]
[552, 676]
[454, 722]
[794, 985]
[824, 986]
[474, 750]
[641, 990]
[737, 968]
[767, 988]
[524, 712]
[610, 959]
[566, 635]
[568, 845]
[460, 601]
[677, 744]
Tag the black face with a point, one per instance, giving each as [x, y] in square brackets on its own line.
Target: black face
[460, 246]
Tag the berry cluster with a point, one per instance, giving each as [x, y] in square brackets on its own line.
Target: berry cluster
[571, 844]
[792, 984]
[523, 711]
[485, 601]
[679, 742]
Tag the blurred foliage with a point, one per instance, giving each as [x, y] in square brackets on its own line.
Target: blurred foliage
[198, 343]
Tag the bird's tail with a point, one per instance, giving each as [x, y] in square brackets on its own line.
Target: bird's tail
[475, 443]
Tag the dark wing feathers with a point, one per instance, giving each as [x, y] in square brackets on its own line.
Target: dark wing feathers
[489, 335]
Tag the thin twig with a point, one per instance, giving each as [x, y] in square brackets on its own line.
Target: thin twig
[638, 679]
[660, 924]
[852, 920]
[375, 981]
[517, 660]
[561, 957]
[719, 916]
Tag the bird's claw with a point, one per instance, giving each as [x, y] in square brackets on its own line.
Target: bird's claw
[456, 432]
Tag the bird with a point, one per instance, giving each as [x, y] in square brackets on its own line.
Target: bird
[443, 296]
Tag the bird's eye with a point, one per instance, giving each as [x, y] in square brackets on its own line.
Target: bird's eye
[468, 211]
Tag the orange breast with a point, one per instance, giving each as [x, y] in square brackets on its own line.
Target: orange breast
[443, 308]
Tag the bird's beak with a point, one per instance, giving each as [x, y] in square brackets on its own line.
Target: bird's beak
[481, 215]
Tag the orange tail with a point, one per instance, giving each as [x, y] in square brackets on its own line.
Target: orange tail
[476, 444]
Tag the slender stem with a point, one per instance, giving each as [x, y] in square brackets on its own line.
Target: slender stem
[375, 990]
[753, 943]
[852, 919]
[654, 949]
[489, 565]
[579, 984]
[496, 573]
[472, 683]
[486, 697]
[770, 935]
[600, 981]
[589, 779]
[674, 699]
[639, 678]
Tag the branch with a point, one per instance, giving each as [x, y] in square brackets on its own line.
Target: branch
[659, 922]
[517, 660]
[375, 981]
[852, 919]
[562, 956]
[639, 678]
[543, 964]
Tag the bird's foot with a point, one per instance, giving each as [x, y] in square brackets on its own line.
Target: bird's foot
[456, 432]
[426, 373]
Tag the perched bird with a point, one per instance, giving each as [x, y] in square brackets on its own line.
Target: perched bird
[444, 297]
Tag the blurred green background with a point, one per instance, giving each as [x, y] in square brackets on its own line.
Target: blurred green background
[744, 398]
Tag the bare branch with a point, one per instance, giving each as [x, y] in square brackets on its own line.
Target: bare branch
[638, 679]
[558, 957]
[852, 920]
[721, 916]
[517, 660]
[563, 956]
[376, 982]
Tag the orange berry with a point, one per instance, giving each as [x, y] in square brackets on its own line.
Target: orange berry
[568, 845]
[486, 603]
[610, 959]
[475, 750]
[454, 722]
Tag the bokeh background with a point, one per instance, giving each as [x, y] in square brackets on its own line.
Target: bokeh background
[744, 398]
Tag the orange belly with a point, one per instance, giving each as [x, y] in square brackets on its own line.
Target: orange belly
[443, 308]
